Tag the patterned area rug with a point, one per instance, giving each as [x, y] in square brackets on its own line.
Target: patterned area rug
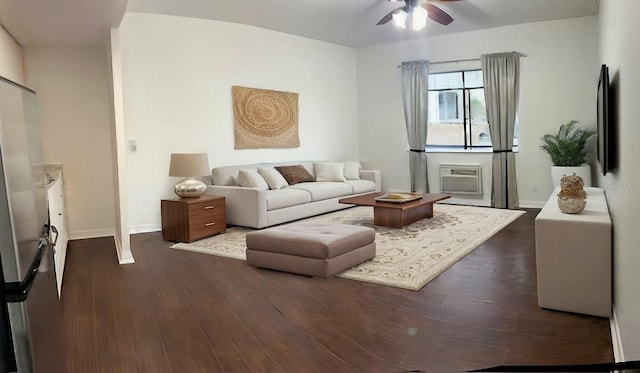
[407, 258]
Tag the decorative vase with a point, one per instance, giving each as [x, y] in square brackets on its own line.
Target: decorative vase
[557, 172]
[572, 198]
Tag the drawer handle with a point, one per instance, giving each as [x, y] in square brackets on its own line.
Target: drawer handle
[208, 207]
[209, 224]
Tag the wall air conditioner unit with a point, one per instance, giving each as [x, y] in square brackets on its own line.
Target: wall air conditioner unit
[461, 178]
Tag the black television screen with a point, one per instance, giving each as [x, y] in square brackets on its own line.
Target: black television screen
[606, 146]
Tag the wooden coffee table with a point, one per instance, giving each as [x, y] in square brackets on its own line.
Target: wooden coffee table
[397, 215]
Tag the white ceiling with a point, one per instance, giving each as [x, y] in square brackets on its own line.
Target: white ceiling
[350, 23]
[38, 22]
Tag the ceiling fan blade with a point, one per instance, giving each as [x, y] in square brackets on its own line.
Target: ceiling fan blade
[389, 16]
[437, 14]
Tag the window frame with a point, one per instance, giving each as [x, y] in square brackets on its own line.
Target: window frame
[466, 122]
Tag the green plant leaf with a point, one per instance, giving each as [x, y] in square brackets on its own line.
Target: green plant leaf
[568, 147]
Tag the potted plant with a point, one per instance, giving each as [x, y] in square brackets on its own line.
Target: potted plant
[568, 152]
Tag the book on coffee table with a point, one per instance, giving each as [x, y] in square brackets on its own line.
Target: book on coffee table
[398, 197]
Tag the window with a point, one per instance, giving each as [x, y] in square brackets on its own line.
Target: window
[457, 112]
[448, 106]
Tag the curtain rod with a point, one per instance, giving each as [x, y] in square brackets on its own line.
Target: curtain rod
[458, 61]
[454, 61]
[450, 61]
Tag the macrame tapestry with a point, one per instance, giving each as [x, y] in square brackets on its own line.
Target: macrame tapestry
[264, 118]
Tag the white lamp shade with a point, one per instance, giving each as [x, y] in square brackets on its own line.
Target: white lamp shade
[189, 165]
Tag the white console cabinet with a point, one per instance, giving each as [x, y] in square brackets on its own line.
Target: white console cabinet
[58, 219]
[573, 256]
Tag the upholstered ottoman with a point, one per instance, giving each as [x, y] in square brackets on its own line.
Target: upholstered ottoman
[310, 248]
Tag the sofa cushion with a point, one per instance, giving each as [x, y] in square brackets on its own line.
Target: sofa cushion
[362, 186]
[352, 170]
[295, 174]
[281, 198]
[329, 171]
[274, 179]
[322, 190]
[251, 179]
[224, 176]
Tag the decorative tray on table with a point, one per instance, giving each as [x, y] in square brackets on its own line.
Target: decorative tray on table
[398, 197]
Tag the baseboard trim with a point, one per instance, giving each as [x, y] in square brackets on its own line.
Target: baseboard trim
[616, 340]
[144, 228]
[466, 202]
[532, 204]
[470, 202]
[119, 250]
[93, 233]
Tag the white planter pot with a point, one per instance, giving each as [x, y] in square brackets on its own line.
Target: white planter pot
[584, 171]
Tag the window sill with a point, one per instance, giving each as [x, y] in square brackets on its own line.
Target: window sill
[458, 149]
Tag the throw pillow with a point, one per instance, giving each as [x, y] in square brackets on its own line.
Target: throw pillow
[251, 179]
[272, 177]
[352, 170]
[295, 174]
[329, 171]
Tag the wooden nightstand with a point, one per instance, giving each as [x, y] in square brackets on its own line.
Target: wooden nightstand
[190, 219]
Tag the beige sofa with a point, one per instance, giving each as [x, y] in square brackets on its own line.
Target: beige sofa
[265, 204]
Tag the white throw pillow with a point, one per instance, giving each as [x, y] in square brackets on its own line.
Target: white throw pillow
[329, 171]
[352, 170]
[274, 179]
[251, 179]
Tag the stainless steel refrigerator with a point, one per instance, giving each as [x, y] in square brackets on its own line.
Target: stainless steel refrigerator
[31, 330]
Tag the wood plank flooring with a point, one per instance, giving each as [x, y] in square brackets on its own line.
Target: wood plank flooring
[176, 311]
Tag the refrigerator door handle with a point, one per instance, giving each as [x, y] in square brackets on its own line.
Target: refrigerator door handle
[17, 291]
[54, 230]
[55, 240]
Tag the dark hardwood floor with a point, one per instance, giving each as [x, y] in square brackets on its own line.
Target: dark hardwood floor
[177, 311]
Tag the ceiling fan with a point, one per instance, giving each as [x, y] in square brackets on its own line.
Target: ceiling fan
[419, 10]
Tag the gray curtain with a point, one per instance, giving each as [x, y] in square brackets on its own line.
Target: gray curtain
[501, 75]
[415, 87]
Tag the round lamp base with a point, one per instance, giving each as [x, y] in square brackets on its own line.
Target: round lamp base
[189, 188]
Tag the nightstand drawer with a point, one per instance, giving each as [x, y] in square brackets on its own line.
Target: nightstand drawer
[207, 209]
[190, 219]
[203, 227]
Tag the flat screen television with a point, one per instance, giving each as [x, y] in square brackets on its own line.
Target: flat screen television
[607, 136]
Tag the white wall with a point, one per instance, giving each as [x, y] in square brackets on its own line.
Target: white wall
[122, 238]
[11, 60]
[619, 29]
[558, 83]
[72, 88]
[177, 78]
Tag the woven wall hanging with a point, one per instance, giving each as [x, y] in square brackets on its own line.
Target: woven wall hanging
[264, 119]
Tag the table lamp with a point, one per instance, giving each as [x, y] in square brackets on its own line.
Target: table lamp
[189, 166]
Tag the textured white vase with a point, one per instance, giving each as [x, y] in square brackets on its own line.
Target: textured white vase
[584, 171]
[571, 205]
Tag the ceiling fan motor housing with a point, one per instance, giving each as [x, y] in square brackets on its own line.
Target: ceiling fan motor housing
[433, 12]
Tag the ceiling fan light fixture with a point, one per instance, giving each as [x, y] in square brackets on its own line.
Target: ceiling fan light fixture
[419, 18]
[400, 18]
[417, 11]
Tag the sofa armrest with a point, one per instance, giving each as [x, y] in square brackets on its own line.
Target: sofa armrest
[372, 175]
[244, 206]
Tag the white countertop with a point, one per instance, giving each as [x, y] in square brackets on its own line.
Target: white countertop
[595, 211]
